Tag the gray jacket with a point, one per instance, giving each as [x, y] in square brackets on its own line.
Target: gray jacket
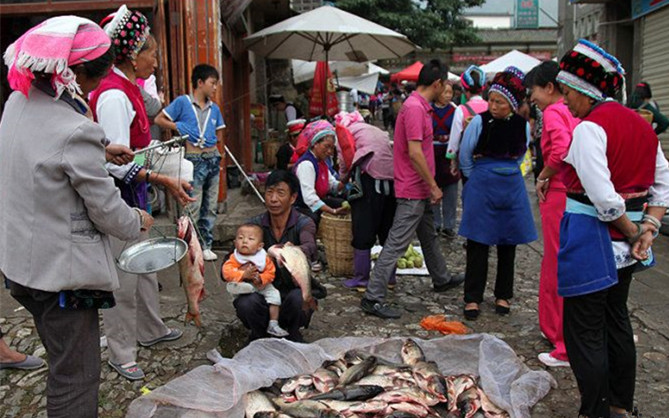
[57, 200]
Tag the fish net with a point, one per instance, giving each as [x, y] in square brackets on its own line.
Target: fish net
[218, 390]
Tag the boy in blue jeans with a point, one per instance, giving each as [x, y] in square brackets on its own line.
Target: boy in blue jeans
[198, 117]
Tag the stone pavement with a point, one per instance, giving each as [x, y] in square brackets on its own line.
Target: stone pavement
[22, 393]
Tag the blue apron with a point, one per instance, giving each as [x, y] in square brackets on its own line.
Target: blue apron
[496, 209]
[586, 263]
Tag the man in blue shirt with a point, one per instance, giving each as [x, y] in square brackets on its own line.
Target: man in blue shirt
[198, 117]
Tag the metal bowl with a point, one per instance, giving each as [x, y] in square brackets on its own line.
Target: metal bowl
[152, 255]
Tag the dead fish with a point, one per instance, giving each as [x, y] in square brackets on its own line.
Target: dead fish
[299, 380]
[469, 402]
[401, 414]
[350, 393]
[429, 379]
[490, 410]
[358, 371]
[411, 353]
[385, 381]
[255, 402]
[306, 391]
[191, 270]
[353, 357]
[324, 380]
[410, 394]
[270, 414]
[296, 262]
[350, 408]
[307, 408]
[404, 371]
[338, 366]
[456, 385]
[411, 408]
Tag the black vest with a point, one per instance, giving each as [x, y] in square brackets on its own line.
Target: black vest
[502, 138]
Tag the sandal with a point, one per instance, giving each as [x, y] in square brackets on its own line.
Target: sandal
[502, 309]
[471, 313]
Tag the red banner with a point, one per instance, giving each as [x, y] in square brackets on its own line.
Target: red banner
[323, 81]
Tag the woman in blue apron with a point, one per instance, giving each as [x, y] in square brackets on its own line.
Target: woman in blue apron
[496, 209]
[617, 183]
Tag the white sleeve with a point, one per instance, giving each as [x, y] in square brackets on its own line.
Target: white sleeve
[291, 113]
[587, 154]
[659, 191]
[307, 175]
[456, 132]
[115, 114]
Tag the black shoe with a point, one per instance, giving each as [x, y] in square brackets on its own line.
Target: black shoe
[449, 233]
[382, 310]
[456, 280]
[471, 314]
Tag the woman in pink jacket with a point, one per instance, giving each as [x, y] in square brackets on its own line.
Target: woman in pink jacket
[558, 125]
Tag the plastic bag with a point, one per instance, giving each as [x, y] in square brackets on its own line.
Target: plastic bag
[218, 391]
[439, 323]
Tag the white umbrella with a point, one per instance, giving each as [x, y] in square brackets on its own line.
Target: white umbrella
[328, 33]
[516, 58]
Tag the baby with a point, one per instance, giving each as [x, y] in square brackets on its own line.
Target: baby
[249, 270]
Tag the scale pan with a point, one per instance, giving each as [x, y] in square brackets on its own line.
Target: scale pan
[152, 255]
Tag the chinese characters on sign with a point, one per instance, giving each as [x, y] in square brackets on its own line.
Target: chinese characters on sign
[527, 14]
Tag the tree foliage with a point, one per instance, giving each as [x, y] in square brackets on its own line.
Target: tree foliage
[428, 23]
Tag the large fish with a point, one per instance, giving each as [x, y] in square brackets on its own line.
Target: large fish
[411, 352]
[296, 262]
[428, 378]
[358, 371]
[307, 408]
[257, 401]
[191, 270]
[350, 393]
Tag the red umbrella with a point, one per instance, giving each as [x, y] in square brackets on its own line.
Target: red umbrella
[409, 74]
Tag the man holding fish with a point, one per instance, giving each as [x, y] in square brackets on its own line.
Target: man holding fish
[290, 240]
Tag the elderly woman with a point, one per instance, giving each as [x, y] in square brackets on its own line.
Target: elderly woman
[617, 183]
[496, 209]
[119, 108]
[58, 204]
[318, 182]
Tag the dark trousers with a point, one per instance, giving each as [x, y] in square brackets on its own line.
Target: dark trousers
[253, 310]
[72, 342]
[600, 345]
[476, 274]
[372, 214]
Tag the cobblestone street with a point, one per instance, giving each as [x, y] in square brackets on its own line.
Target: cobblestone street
[22, 393]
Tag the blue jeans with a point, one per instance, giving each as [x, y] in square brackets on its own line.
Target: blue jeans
[206, 168]
[444, 212]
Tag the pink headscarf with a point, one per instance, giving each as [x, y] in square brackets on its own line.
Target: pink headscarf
[53, 47]
[312, 133]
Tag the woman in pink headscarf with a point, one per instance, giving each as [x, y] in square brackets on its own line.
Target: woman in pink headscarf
[58, 204]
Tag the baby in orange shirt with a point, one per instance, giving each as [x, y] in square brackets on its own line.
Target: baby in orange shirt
[249, 269]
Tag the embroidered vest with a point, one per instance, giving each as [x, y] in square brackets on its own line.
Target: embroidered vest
[502, 138]
[140, 135]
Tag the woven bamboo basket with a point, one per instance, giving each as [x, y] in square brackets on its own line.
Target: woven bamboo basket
[269, 149]
[336, 234]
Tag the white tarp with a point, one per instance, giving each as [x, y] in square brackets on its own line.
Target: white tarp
[304, 70]
[516, 58]
[364, 83]
[218, 391]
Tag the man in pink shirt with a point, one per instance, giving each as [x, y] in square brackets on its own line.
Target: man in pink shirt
[416, 192]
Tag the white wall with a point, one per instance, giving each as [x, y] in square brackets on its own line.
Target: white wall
[490, 22]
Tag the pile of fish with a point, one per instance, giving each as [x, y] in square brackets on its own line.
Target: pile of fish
[364, 386]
